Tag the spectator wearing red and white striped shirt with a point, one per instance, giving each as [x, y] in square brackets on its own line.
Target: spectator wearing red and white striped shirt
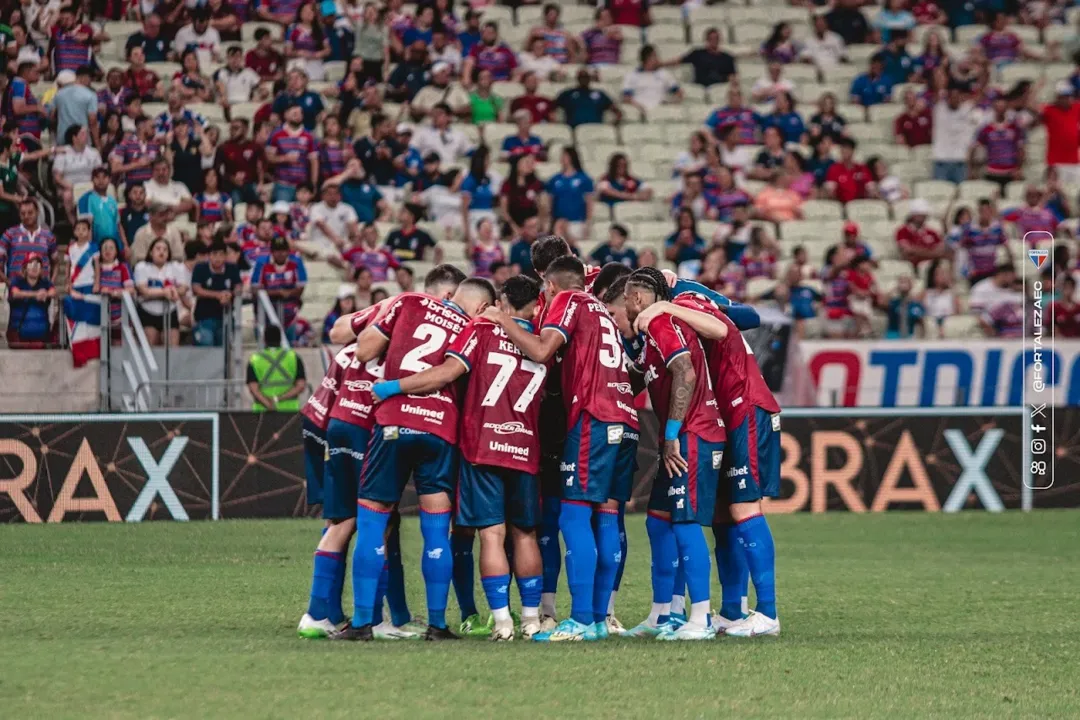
[28, 238]
[603, 41]
[1033, 216]
[70, 46]
[293, 152]
[1003, 142]
[489, 54]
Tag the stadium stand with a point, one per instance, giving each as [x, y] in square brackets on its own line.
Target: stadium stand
[372, 140]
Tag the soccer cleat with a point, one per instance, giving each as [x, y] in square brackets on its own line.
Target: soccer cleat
[529, 628]
[569, 630]
[614, 627]
[355, 634]
[502, 632]
[473, 626]
[312, 629]
[386, 631]
[434, 634]
[753, 625]
[416, 626]
[597, 631]
[644, 630]
[548, 623]
[722, 624]
[689, 631]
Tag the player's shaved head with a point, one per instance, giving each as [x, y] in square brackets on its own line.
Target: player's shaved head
[607, 276]
[519, 292]
[644, 287]
[566, 273]
[443, 280]
[546, 250]
[473, 295]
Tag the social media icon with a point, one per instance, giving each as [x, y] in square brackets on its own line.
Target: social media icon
[1038, 446]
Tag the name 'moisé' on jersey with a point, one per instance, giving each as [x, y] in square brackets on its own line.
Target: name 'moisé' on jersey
[420, 329]
[355, 405]
[735, 373]
[594, 377]
[501, 407]
[318, 407]
[668, 338]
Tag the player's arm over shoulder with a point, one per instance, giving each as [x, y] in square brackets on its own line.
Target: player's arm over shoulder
[539, 348]
[703, 318]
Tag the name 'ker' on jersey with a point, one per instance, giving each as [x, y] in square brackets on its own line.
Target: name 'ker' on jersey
[355, 404]
[666, 339]
[735, 372]
[502, 400]
[420, 329]
[318, 407]
[594, 378]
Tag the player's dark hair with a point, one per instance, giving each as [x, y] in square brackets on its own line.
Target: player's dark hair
[444, 274]
[480, 285]
[615, 291]
[650, 279]
[607, 277]
[546, 250]
[566, 272]
[521, 290]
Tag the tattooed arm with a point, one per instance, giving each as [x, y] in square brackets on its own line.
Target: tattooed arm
[683, 381]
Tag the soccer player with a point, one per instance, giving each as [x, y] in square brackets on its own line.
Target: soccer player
[316, 415]
[598, 457]
[751, 467]
[684, 492]
[500, 446]
[414, 435]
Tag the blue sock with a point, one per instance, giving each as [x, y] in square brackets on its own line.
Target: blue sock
[530, 588]
[395, 587]
[461, 547]
[679, 586]
[608, 557]
[575, 521]
[730, 566]
[380, 595]
[325, 528]
[369, 556]
[694, 554]
[437, 566]
[321, 606]
[622, 545]
[550, 553]
[757, 543]
[497, 590]
[665, 558]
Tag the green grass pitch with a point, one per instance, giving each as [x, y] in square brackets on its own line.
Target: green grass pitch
[898, 615]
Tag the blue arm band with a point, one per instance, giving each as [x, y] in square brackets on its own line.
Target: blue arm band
[671, 430]
[387, 388]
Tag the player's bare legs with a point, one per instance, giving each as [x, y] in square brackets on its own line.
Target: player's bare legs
[756, 541]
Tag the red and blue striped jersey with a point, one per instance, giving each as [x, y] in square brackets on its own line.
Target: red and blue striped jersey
[270, 276]
[1000, 46]
[763, 265]
[212, 206]
[1002, 142]
[378, 261]
[557, 44]
[303, 143]
[1032, 219]
[500, 60]
[302, 38]
[484, 257]
[33, 123]
[744, 118]
[114, 102]
[837, 290]
[114, 276]
[281, 7]
[601, 48]
[17, 242]
[69, 52]
[131, 149]
[981, 245]
[332, 159]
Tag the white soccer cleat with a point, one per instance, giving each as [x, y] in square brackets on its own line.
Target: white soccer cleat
[754, 625]
[529, 627]
[548, 623]
[614, 627]
[388, 631]
[503, 632]
[312, 629]
[722, 624]
[689, 631]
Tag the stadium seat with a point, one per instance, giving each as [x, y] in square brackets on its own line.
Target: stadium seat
[862, 210]
[822, 210]
[978, 189]
[635, 211]
[934, 189]
[961, 327]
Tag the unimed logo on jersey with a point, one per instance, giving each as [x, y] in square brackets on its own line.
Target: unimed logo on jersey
[521, 453]
[509, 428]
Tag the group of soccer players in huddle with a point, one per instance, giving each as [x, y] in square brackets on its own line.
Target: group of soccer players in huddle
[514, 416]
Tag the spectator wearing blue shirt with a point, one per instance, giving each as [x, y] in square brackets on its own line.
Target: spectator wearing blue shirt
[615, 250]
[684, 244]
[100, 208]
[571, 193]
[584, 105]
[30, 295]
[893, 19]
[897, 65]
[359, 193]
[821, 159]
[479, 189]
[521, 248]
[471, 34]
[523, 142]
[618, 185]
[905, 313]
[785, 119]
[297, 93]
[872, 88]
[422, 27]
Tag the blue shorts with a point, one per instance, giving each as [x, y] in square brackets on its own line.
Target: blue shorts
[346, 446]
[626, 466]
[691, 497]
[752, 462]
[395, 454]
[315, 453]
[489, 495]
[591, 461]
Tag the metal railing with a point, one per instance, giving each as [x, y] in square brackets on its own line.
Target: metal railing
[266, 311]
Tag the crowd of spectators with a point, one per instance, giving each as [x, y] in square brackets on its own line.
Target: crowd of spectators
[868, 170]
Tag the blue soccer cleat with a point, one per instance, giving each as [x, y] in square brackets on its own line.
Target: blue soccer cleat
[569, 630]
[597, 631]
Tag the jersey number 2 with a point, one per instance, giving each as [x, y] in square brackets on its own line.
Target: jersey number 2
[433, 337]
